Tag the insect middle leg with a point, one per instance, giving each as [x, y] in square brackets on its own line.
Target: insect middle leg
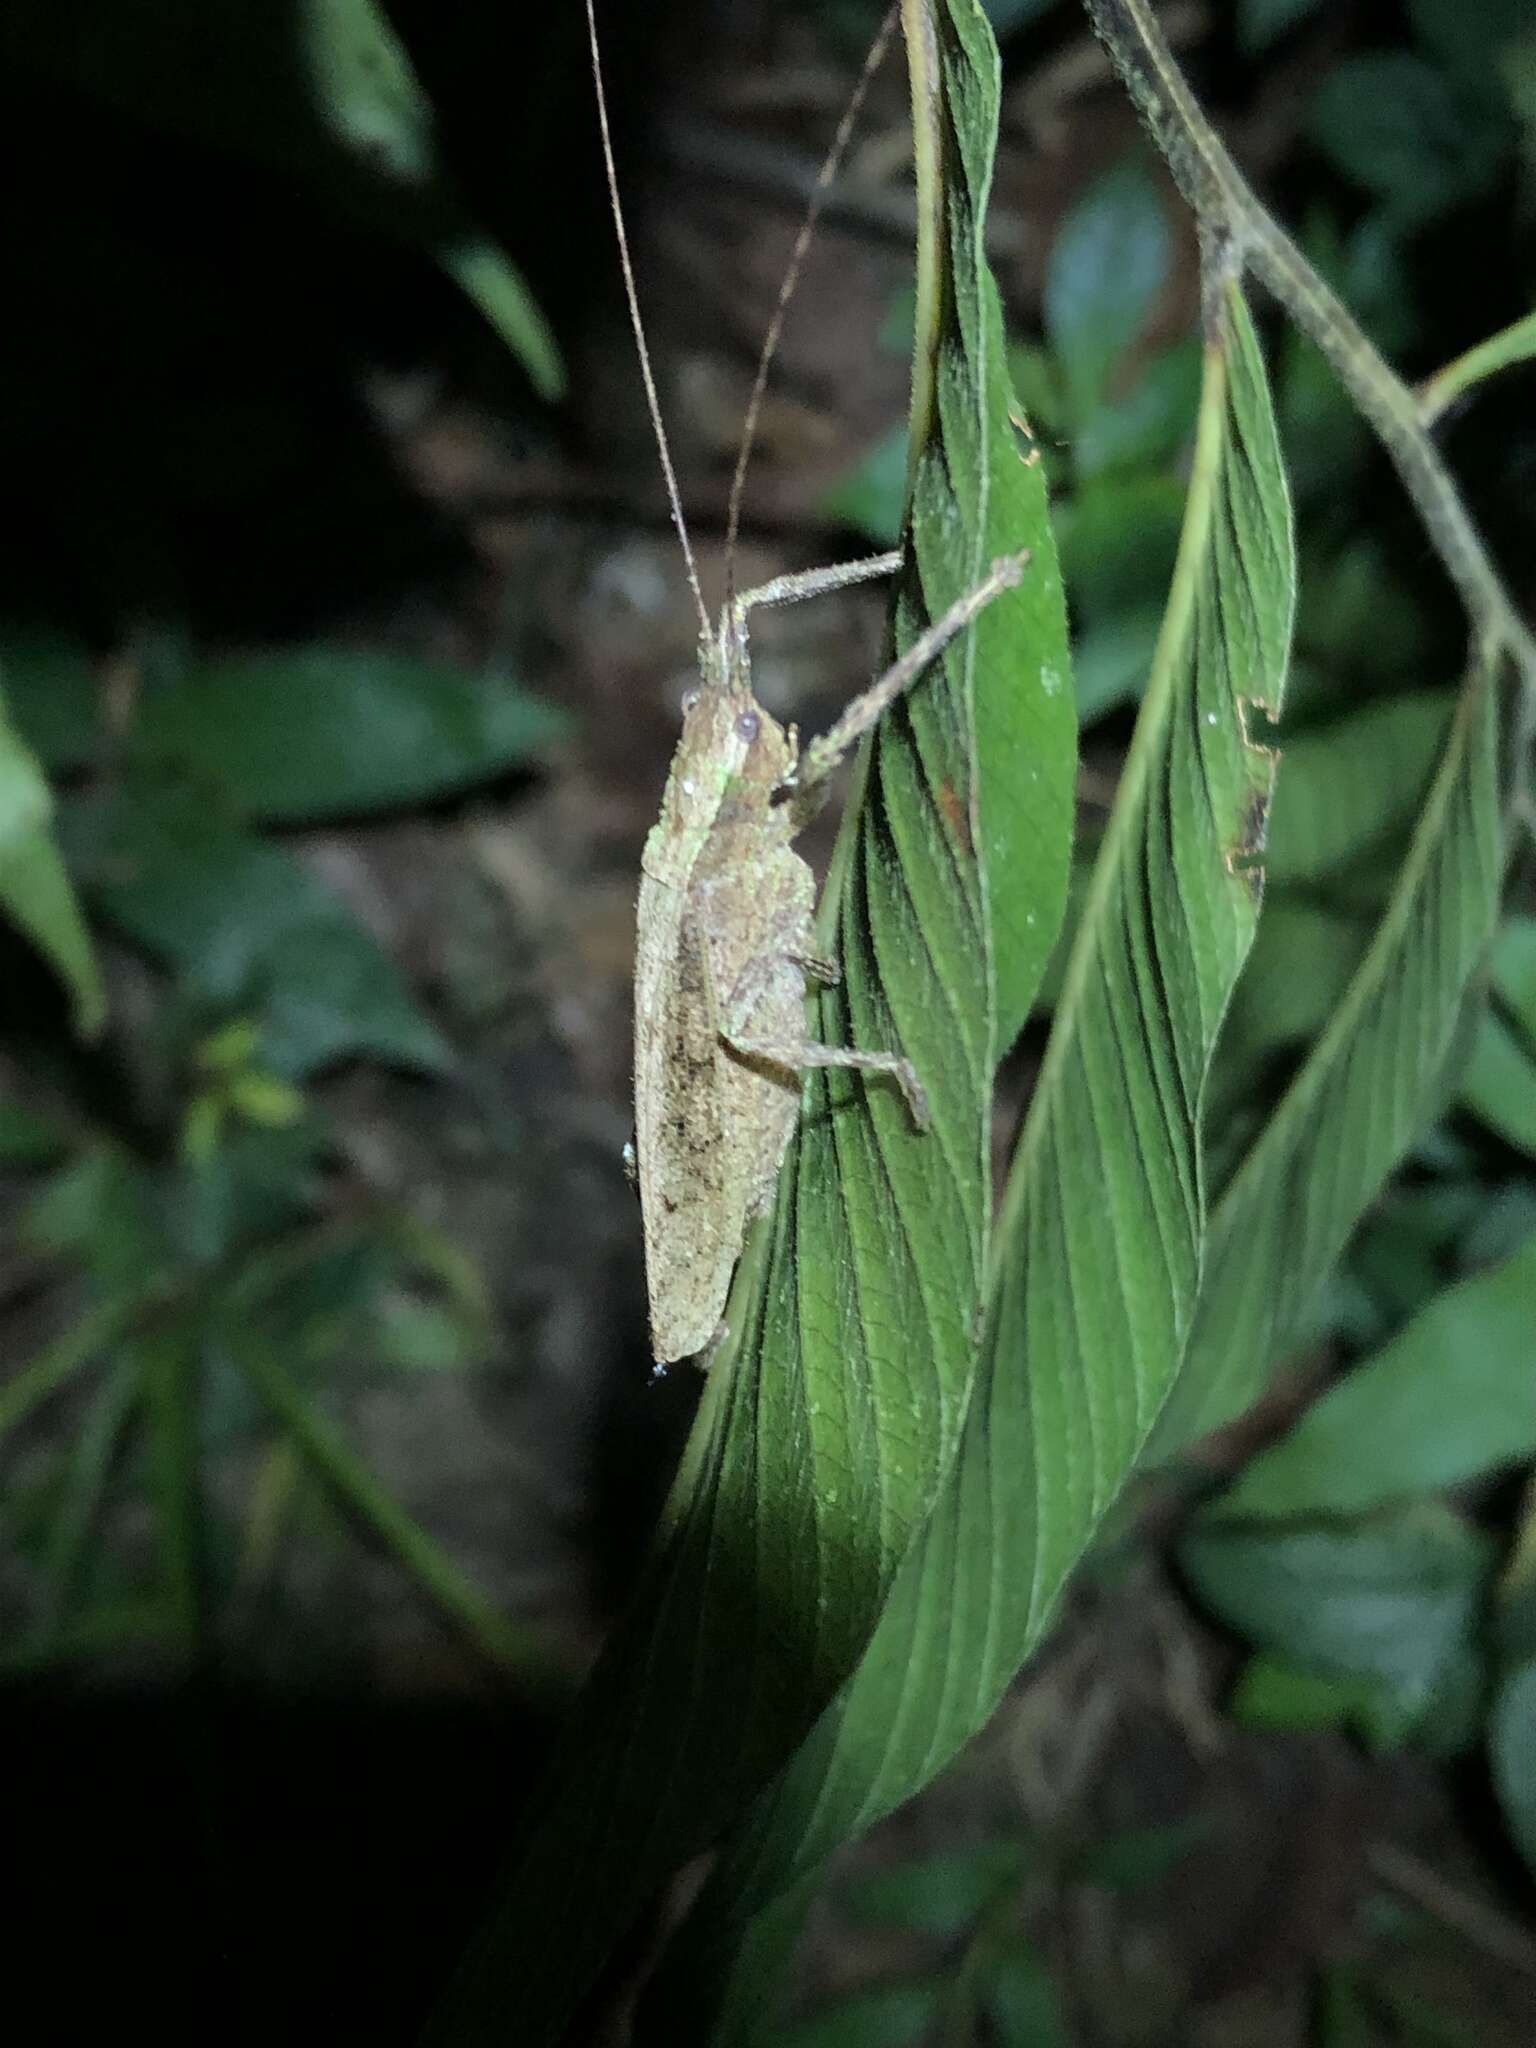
[795, 1055]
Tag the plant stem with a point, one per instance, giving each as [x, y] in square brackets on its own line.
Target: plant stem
[1511, 345]
[1228, 209]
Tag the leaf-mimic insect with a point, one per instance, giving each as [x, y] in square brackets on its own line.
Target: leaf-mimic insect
[726, 939]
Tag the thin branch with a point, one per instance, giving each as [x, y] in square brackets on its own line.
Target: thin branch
[1227, 206]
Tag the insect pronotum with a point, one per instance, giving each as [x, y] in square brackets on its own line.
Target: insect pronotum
[726, 939]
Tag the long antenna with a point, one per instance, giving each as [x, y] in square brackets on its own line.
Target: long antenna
[646, 373]
[825, 176]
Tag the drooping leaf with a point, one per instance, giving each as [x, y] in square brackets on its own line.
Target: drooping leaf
[35, 891]
[1451, 1397]
[1370, 1083]
[1094, 1276]
[247, 927]
[825, 1423]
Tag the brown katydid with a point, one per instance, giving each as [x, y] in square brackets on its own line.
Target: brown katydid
[726, 941]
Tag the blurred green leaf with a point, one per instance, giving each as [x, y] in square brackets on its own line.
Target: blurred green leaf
[872, 496]
[1274, 1693]
[1148, 424]
[938, 1895]
[1498, 1084]
[1451, 1397]
[881, 2016]
[1512, 1752]
[1138, 1857]
[1111, 662]
[1358, 617]
[1514, 971]
[1107, 265]
[1467, 39]
[247, 927]
[1346, 788]
[1393, 1600]
[27, 1139]
[1118, 538]
[1008, 15]
[1344, 2021]
[318, 732]
[1300, 965]
[489, 279]
[1413, 137]
[1261, 22]
[35, 891]
[1024, 2004]
[54, 695]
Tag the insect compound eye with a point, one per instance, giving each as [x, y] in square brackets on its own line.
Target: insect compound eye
[691, 697]
[748, 726]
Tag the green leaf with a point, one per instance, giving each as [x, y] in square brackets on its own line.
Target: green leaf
[1261, 22]
[1371, 1082]
[1119, 537]
[491, 281]
[35, 892]
[246, 927]
[872, 497]
[1514, 972]
[824, 1428]
[319, 732]
[1499, 1082]
[1393, 1601]
[1512, 1753]
[54, 695]
[1467, 40]
[1275, 1693]
[1107, 265]
[1451, 1397]
[1024, 2004]
[1138, 1857]
[1418, 141]
[1146, 425]
[27, 1139]
[879, 2016]
[1093, 1280]
[1300, 966]
[939, 1895]
[1345, 789]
